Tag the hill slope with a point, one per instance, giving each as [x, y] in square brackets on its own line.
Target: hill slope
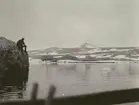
[14, 65]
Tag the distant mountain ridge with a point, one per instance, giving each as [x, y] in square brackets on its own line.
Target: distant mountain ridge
[83, 46]
[87, 45]
[91, 50]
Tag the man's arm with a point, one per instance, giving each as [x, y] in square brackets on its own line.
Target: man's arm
[23, 44]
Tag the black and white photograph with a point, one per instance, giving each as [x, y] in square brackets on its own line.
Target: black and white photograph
[69, 52]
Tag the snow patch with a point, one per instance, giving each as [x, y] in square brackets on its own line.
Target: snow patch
[80, 56]
[94, 55]
[136, 55]
[53, 53]
[57, 56]
[120, 56]
[94, 51]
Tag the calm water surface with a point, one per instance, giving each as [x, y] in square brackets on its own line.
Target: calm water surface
[76, 79]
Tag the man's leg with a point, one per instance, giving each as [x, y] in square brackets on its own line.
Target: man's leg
[25, 48]
[21, 50]
[19, 47]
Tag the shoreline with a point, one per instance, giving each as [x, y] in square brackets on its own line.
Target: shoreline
[80, 62]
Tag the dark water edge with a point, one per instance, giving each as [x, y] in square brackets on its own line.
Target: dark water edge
[76, 79]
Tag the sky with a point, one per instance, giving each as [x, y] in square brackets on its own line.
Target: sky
[70, 23]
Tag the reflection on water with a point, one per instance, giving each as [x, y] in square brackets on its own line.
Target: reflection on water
[75, 79]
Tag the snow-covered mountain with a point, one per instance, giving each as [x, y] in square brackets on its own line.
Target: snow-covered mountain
[120, 53]
[87, 45]
[83, 49]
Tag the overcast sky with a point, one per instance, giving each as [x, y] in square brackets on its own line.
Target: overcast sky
[68, 23]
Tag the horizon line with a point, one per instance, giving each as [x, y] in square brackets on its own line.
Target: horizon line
[80, 47]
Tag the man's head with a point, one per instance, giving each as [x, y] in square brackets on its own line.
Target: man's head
[22, 39]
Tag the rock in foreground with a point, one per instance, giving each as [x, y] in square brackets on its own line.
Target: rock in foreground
[14, 65]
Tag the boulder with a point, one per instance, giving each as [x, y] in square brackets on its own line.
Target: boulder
[14, 65]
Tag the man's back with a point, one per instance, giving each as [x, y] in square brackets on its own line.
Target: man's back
[21, 45]
[20, 42]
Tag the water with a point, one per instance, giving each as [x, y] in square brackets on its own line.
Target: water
[76, 79]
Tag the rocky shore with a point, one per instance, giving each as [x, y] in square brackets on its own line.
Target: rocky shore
[14, 65]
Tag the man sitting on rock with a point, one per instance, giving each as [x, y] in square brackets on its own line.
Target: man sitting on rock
[21, 45]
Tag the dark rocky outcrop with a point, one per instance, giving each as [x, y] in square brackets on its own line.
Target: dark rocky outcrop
[14, 65]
